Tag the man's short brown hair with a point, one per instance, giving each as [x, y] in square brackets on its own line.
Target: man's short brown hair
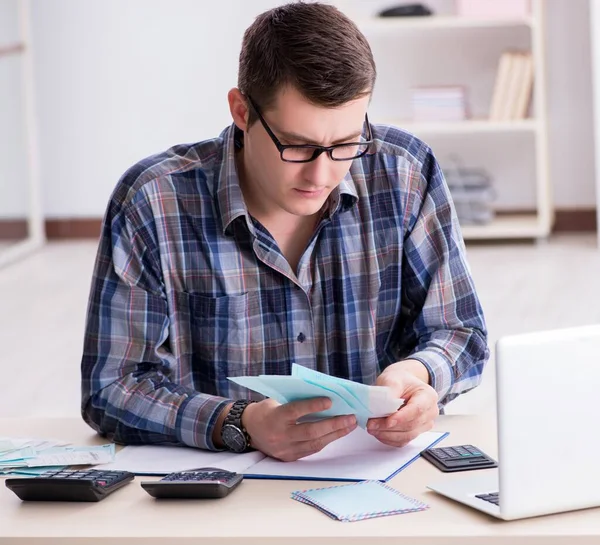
[311, 46]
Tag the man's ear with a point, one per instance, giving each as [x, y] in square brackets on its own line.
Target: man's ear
[238, 108]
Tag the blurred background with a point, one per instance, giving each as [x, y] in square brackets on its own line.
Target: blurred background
[504, 92]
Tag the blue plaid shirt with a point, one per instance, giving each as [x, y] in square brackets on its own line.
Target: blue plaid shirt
[188, 289]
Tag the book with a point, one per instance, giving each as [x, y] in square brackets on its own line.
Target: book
[512, 87]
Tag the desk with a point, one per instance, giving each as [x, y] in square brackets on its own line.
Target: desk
[262, 512]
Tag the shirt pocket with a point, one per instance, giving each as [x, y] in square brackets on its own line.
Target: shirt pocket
[226, 335]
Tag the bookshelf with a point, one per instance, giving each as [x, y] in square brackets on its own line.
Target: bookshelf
[519, 222]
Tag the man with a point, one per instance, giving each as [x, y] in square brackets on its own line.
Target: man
[301, 234]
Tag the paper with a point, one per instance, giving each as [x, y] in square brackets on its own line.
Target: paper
[31, 456]
[347, 397]
[161, 460]
[355, 457]
[74, 457]
[359, 501]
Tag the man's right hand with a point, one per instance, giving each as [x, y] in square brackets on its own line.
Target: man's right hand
[273, 428]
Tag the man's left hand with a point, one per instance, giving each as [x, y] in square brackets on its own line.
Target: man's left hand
[420, 407]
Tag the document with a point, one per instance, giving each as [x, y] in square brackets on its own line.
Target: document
[347, 397]
[19, 456]
[355, 457]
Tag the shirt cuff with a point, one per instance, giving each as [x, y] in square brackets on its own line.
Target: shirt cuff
[441, 372]
[197, 418]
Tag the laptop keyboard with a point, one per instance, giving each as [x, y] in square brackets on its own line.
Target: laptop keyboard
[494, 497]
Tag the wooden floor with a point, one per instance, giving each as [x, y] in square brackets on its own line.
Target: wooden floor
[523, 287]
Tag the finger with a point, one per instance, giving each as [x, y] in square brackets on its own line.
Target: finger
[401, 438]
[312, 446]
[420, 406]
[377, 423]
[294, 410]
[310, 431]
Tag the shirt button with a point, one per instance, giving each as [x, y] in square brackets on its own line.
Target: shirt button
[301, 337]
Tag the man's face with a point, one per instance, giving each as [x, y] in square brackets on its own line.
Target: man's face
[300, 189]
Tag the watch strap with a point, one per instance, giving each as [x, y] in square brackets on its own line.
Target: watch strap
[234, 417]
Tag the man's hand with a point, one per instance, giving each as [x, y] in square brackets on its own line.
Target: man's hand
[419, 411]
[273, 429]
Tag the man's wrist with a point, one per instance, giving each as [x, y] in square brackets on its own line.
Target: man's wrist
[216, 436]
[414, 367]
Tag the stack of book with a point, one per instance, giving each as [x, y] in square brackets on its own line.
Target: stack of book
[512, 88]
[439, 104]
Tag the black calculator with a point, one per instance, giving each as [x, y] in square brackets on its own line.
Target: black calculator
[204, 482]
[458, 458]
[69, 485]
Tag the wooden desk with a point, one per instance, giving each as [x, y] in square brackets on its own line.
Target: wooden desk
[262, 512]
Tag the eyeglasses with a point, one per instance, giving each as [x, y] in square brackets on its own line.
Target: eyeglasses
[309, 152]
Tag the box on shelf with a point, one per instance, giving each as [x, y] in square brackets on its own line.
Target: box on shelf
[492, 9]
[439, 104]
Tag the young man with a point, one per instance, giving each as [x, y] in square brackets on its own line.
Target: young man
[301, 234]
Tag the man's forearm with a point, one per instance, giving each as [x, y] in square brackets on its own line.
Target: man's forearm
[216, 436]
[415, 367]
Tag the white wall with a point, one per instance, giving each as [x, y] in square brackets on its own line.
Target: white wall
[121, 79]
[13, 159]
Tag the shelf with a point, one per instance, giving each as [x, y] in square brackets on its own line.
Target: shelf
[11, 49]
[510, 226]
[437, 22]
[467, 127]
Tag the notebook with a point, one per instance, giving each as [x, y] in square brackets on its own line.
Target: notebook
[359, 501]
[356, 457]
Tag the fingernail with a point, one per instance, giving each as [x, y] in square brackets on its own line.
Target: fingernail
[350, 421]
[373, 427]
[392, 423]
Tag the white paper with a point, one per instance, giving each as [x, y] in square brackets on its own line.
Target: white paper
[75, 457]
[160, 460]
[358, 456]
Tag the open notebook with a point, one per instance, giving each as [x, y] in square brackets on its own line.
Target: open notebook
[355, 457]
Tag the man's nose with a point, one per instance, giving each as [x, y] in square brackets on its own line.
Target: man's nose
[318, 172]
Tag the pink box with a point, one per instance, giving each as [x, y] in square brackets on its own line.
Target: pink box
[493, 9]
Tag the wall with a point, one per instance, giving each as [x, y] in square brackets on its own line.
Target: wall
[119, 80]
[13, 160]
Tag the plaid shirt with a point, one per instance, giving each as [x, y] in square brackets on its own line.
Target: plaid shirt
[188, 289]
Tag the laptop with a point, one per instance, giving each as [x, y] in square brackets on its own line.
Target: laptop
[548, 412]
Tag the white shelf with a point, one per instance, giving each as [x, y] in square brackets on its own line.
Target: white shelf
[467, 127]
[513, 226]
[437, 22]
[11, 49]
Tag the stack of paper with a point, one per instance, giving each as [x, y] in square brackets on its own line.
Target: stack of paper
[347, 397]
[35, 456]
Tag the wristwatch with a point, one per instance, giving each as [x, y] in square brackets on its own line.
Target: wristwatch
[233, 434]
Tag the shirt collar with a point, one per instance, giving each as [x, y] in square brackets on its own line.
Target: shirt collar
[229, 194]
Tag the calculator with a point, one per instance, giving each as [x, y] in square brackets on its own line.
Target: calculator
[458, 458]
[204, 482]
[69, 485]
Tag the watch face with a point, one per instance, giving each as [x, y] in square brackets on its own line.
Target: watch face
[234, 438]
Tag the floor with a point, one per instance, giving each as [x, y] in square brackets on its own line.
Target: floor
[523, 287]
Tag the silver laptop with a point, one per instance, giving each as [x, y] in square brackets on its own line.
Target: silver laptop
[548, 410]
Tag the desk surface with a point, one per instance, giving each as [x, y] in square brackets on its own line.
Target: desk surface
[262, 512]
